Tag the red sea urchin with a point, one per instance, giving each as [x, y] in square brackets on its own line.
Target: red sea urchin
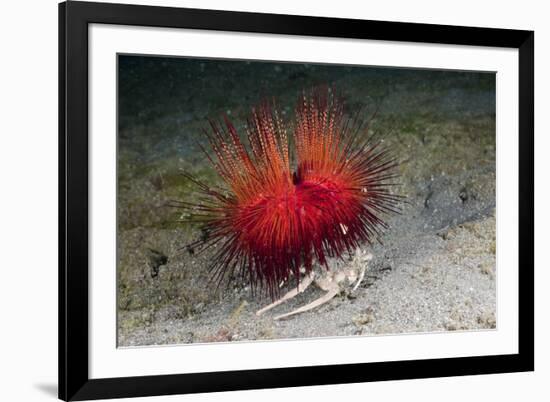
[272, 219]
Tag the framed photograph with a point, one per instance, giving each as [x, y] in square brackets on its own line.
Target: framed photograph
[258, 201]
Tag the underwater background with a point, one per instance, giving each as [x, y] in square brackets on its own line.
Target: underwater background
[435, 270]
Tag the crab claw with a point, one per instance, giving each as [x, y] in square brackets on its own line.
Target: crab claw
[302, 286]
[315, 303]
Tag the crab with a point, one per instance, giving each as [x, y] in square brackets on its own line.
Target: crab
[332, 282]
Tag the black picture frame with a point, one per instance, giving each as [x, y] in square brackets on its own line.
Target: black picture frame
[74, 381]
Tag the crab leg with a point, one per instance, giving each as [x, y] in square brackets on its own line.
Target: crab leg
[368, 257]
[302, 286]
[360, 279]
[333, 291]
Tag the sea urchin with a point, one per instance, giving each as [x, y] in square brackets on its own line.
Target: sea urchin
[290, 200]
